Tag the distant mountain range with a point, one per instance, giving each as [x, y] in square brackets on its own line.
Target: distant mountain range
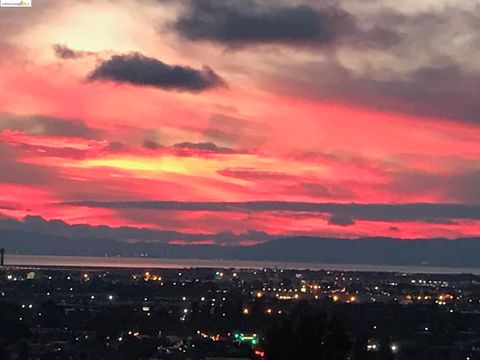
[463, 252]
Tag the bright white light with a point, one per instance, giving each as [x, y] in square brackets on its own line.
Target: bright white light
[394, 348]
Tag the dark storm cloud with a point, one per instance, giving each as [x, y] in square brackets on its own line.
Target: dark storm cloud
[40, 226]
[237, 22]
[341, 220]
[138, 69]
[66, 53]
[425, 212]
[45, 125]
[447, 91]
[204, 146]
[230, 22]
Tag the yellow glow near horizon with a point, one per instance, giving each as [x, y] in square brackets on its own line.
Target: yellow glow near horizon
[163, 164]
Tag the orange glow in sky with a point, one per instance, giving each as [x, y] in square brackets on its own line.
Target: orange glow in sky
[263, 119]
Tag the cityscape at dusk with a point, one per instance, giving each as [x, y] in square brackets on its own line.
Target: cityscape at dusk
[239, 180]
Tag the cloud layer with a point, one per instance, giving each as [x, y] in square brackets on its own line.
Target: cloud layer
[233, 23]
[38, 225]
[140, 70]
[342, 214]
[237, 23]
[45, 125]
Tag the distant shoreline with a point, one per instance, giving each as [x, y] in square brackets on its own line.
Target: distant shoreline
[13, 260]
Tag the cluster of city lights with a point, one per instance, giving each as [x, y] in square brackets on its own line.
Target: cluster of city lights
[246, 338]
[374, 346]
[151, 277]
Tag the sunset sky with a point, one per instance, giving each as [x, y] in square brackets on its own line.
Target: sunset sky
[239, 121]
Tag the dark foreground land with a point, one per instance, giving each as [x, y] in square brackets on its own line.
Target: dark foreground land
[236, 314]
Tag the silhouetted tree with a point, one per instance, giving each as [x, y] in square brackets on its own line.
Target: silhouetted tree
[307, 337]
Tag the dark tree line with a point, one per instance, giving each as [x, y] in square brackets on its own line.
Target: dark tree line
[308, 336]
